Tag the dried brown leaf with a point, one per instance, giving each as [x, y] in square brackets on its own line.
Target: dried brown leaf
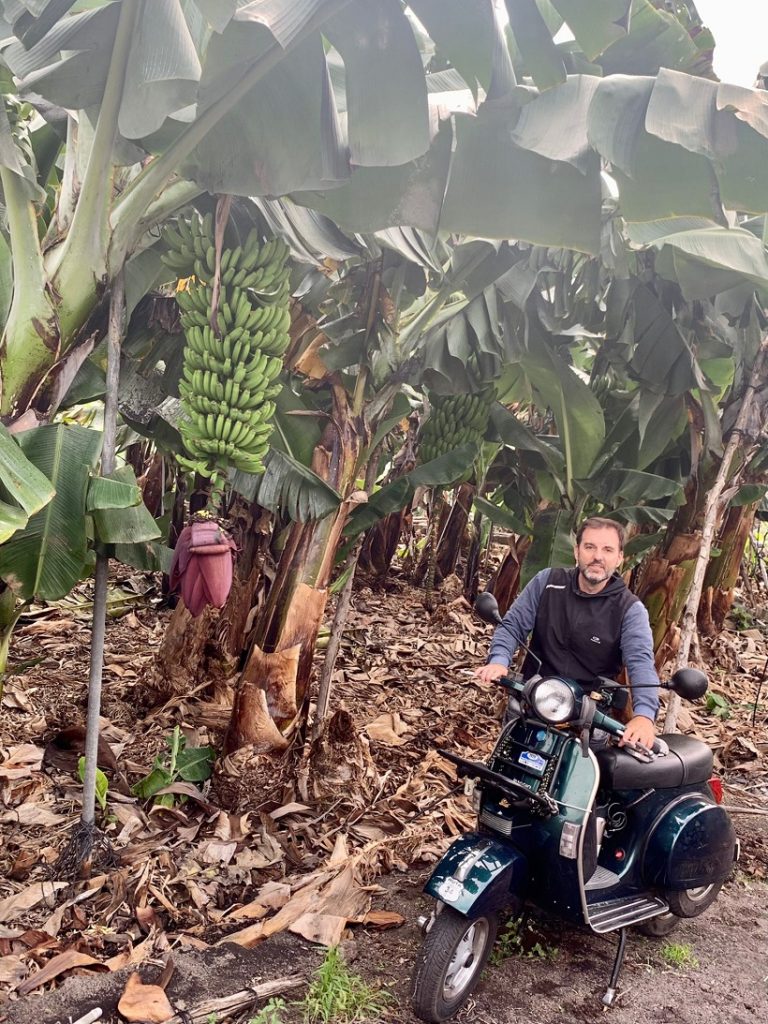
[12, 906]
[65, 961]
[146, 1003]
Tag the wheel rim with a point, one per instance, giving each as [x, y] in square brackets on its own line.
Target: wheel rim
[466, 959]
[699, 894]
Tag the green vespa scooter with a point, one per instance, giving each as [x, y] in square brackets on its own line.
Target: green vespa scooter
[607, 837]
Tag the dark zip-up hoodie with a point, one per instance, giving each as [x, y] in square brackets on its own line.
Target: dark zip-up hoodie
[579, 635]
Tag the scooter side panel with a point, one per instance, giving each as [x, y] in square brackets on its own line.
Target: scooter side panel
[478, 873]
[691, 845]
[558, 877]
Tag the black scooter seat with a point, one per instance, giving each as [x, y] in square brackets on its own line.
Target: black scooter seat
[688, 761]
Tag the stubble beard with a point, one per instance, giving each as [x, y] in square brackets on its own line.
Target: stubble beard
[592, 580]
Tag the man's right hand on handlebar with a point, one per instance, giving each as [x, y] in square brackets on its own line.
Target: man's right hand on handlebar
[491, 673]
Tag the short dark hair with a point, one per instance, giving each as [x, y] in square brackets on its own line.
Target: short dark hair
[600, 523]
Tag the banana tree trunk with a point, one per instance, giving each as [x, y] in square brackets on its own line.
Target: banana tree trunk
[666, 575]
[271, 694]
[723, 570]
[381, 541]
[506, 582]
[454, 534]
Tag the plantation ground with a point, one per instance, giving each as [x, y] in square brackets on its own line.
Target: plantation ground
[336, 845]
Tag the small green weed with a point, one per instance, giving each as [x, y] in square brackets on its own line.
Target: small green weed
[270, 1013]
[678, 954]
[102, 783]
[337, 997]
[519, 938]
[212, 1018]
[191, 764]
[742, 617]
[718, 706]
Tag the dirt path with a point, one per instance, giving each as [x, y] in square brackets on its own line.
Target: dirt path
[562, 980]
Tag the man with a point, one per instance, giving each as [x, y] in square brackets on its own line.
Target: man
[585, 623]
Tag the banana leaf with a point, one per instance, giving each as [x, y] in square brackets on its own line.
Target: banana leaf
[23, 483]
[552, 544]
[396, 495]
[47, 557]
[123, 524]
[289, 487]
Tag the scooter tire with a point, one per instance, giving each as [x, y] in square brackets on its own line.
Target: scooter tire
[658, 927]
[692, 902]
[436, 993]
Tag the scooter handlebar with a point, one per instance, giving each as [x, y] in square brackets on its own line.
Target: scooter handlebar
[617, 729]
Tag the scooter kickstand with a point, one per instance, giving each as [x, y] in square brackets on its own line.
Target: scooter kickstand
[610, 996]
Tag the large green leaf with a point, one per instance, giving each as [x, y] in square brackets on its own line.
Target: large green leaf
[397, 494]
[577, 411]
[541, 57]
[47, 558]
[295, 490]
[473, 333]
[22, 482]
[656, 179]
[497, 189]
[552, 544]
[706, 261]
[555, 124]
[264, 157]
[662, 358]
[655, 39]
[513, 432]
[117, 491]
[376, 198]
[725, 123]
[445, 469]
[464, 32]
[123, 524]
[595, 26]
[386, 94]
[499, 515]
[633, 487]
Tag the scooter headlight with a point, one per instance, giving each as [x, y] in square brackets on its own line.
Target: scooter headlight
[554, 701]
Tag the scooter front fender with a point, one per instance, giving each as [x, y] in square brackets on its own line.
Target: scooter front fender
[478, 874]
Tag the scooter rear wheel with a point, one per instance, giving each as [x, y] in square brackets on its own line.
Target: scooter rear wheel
[450, 963]
[658, 927]
[692, 902]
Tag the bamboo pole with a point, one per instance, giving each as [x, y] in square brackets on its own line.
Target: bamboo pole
[77, 858]
[712, 509]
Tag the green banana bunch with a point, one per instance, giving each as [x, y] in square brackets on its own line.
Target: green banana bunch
[455, 420]
[232, 361]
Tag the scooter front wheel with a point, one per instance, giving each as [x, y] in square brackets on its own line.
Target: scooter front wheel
[450, 963]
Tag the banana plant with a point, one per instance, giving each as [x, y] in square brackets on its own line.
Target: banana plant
[167, 100]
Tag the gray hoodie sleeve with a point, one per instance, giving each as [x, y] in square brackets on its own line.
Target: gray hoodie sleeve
[637, 652]
[518, 622]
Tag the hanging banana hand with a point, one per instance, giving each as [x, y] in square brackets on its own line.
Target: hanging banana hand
[455, 420]
[229, 376]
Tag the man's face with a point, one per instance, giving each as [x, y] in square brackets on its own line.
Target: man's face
[598, 555]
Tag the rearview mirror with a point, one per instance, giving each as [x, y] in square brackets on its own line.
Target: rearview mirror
[690, 683]
[487, 607]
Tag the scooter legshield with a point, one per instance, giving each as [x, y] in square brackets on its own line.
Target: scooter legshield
[692, 844]
[478, 874]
